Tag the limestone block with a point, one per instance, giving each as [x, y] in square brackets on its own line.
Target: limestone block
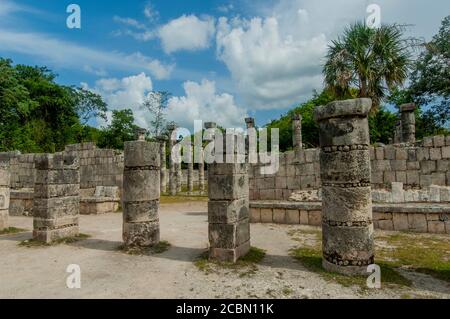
[398, 195]
[435, 154]
[50, 235]
[386, 225]
[401, 154]
[141, 185]
[400, 177]
[439, 141]
[379, 153]
[345, 167]
[255, 215]
[142, 154]
[315, 218]
[56, 190]
[411, 166]
[56, 207]
[229, 255]
[141, 211]
[228, 211]
[279, 216]
[292, 216]
[266, 215]
[400, 222]
[389, 177]
[398, 165]
[445, 194]
[423, 154]
[443, 166]
[141, 233]
[346, 204]
[438, 179]
[229, 236]
[417, 223]
[436, 227]
[390, 153]
[427, 142]
[227, 187]
[427, 167]
[304, 217]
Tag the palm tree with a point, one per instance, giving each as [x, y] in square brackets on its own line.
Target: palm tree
[372, 60]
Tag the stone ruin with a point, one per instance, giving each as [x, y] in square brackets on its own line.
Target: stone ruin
[347, 225]
[347, 187]
[141, 193]
[56, 204]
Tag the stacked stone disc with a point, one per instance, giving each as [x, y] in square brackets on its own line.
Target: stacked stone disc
[56, 204]
[141, 194]
[346, 177]
[4, 195]
[228, 211]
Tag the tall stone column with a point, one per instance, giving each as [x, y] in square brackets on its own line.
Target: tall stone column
[297, 132]
[56, 204]
[408, 119]
[4, 195]
[141, 194]
[228, 211]
[250, 122]
[190, 177]
[163, 172]
[172, 174]
[179, 177]
[346, 197]
[201, 174]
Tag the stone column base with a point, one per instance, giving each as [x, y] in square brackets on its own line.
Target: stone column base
[345, 270]
[229, 255]
[50, 235]
[4, 215]
[142, 234]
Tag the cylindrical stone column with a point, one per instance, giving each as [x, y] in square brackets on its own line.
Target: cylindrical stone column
[228, 211]
[297, 139]
[179, 177]
[408, 119]
[4, 195]
[190, 177]
[201, 174]
[250, 122]
[163, 172]
[141, 194]
[56, 204]
[346, 197]
[172, 174]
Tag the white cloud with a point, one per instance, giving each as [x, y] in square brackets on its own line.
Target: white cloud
[126, 93]
[202, 102]
[272, 69]
[187, 33]
[70, 55]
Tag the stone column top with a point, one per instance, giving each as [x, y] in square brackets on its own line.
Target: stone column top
[250, 121]
[409, 107]
[209, 125]
[355, 107]
[140, 133]
[171, 127]
[297, 117]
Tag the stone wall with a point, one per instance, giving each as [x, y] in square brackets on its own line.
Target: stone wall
[420, 166]
[22, 169]
[98, 167]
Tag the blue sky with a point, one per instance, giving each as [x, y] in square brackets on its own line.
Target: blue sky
[221, 60]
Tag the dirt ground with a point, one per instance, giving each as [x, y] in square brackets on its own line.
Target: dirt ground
[106, 272]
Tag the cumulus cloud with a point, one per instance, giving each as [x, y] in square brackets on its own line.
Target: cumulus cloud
[126, 93]
[187, 32]
[202, 102]
[272, 69]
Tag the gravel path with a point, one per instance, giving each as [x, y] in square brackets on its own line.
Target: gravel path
[109, 273]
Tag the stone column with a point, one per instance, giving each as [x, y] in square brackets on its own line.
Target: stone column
[190, 177]
[228, 211]
[172, 175]
[346, 177]
[4, 195]
[141, 193]
[179, 177]
[250, 122]
[408, 118]
[163, 172]
[201, 174]
[297, 132]
[56, 204]
[398, 133]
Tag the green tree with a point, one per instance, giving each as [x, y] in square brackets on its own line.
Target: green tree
[430, 80]
[373, 60]
[156, 104]
[121, 129]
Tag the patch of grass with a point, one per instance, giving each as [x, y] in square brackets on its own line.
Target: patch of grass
[311, 259]
[159, 248]
[12, 230]
[245, 266]
[287, 291]
[30, 243]
[182, 199]
[428, 254]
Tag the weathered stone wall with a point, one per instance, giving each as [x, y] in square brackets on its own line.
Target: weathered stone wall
[417, 167]
[98, 167]
[22, 169]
